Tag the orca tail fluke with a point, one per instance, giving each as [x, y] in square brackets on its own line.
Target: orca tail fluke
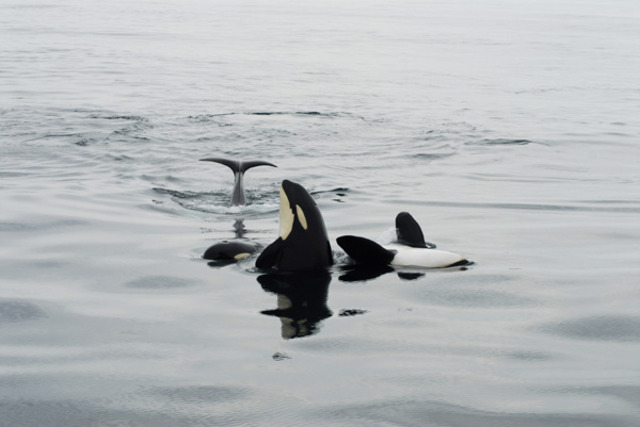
[234, 165]
[238, 166]
[253, 163]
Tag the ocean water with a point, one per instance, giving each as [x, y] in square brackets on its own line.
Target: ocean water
[510, 131]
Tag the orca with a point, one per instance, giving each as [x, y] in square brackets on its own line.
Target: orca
[239, 168]
[303, 244]
[231, 250]
[410, 249]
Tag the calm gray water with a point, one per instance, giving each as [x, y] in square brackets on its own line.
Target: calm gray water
[510, 130]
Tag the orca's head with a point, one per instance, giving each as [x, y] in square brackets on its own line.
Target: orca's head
[303, 243]
[298, 210]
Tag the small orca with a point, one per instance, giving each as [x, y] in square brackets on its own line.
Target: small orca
[229, 250]
[303, 244]
[239, 168]
[410, 250]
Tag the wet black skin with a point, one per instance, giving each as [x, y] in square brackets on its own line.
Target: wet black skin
[303, 249]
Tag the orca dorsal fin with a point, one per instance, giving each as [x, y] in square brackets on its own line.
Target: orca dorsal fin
[409, 232]
[365, 251]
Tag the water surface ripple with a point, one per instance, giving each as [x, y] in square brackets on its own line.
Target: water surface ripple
[509, 131]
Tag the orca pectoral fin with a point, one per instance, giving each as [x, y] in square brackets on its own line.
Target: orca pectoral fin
[409, 232]
[365, 251]
[271, 255]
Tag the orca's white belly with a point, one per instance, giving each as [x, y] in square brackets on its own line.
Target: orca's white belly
[422, 257]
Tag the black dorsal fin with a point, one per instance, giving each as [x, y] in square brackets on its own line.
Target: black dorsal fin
[409, 232]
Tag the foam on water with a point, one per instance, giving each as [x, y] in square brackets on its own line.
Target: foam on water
[218, 202]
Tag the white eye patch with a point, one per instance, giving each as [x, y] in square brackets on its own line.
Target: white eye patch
[286, 215]
[301, 218]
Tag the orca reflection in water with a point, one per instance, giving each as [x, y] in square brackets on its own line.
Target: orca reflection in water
[410, 249]
[303, 244]
[302, 301]
[238, 197]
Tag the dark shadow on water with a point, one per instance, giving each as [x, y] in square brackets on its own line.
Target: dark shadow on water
[301, 301]
[239, 229]
[363, 273]
[219, 263]
[613, 327]
[338, 194]
[350, 312]
[159, 282]
[410, 276]
[19, 311]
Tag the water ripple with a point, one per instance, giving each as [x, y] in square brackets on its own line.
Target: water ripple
[613, 207]
[599, 328]
[19, 311]
[420, 413]
[219, 202]
[198, 394]
[159, 282]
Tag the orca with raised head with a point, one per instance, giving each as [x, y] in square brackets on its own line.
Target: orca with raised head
[303, 244]
[239, 168]
[410, 249]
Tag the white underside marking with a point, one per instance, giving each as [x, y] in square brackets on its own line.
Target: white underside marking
[422, 257]
[286, 215]
[301, 218]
